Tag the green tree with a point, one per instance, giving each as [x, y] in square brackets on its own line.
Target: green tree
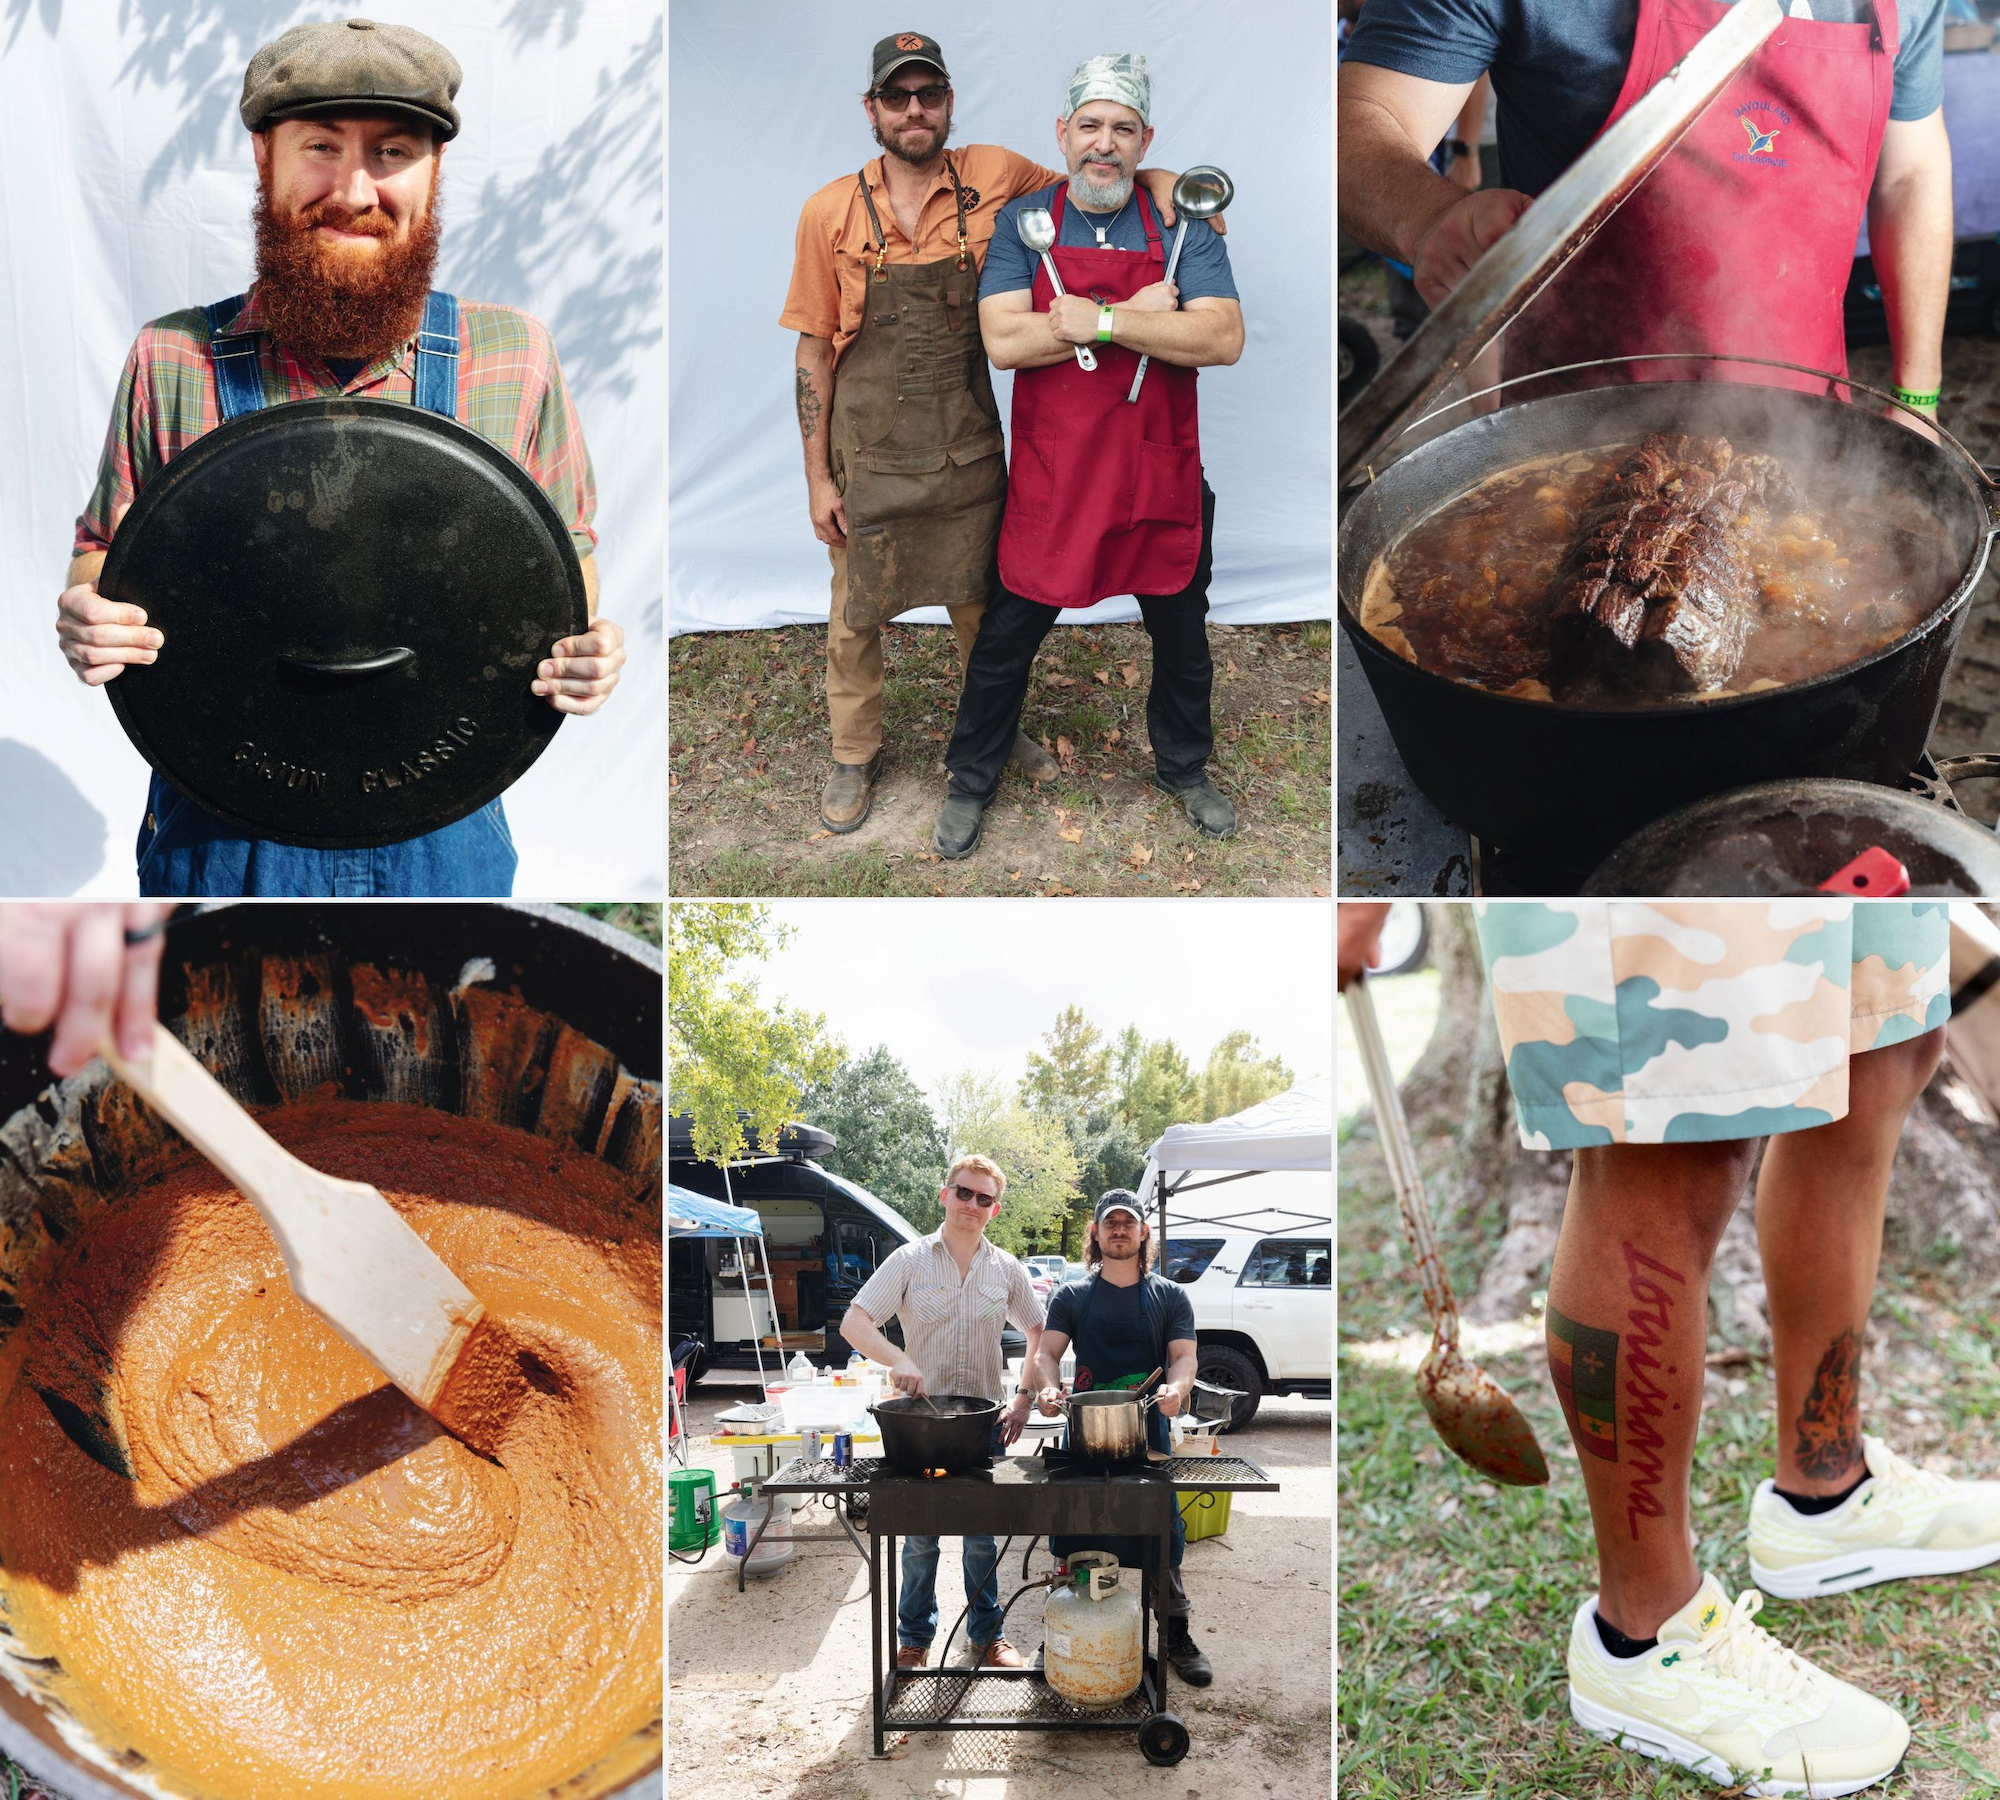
[1072, 1078]
[1238, 1075]
[1041, 1167]
[727, 1052]
[888, 1140]
[1156, 1086]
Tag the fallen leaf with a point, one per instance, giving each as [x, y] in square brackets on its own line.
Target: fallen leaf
[816, 836]
[1113, 735]
[749, 744]
[1107, 778]
[1188, 857]
[1320, 697]
[927, 856]
[1056, 887]
[1139, 855]
[1074, 835]
[1129, 674]
[1013, 874]
[938, 737]
[1059, 680]
[1229, 666]
[1065, 752]
[1103, 675]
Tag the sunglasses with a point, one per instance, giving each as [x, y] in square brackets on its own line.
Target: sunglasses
[973, 1197]
[897, 99]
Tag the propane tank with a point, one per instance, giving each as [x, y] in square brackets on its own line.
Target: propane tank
[740, 1519]
[1090, 1632]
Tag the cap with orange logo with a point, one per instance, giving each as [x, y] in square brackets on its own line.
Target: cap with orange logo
[905, 47]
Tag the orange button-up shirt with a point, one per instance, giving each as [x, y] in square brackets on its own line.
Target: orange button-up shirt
[836, 248]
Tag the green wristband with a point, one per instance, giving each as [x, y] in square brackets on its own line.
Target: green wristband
[1104, 325]
[1909, 398]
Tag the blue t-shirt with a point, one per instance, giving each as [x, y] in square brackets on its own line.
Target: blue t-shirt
[1201, 274]
[1557, 65]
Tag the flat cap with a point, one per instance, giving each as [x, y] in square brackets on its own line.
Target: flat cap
[352, 65]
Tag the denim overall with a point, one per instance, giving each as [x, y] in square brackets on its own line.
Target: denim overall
[186, 850]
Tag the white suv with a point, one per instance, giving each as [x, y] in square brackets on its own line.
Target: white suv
[1263, 1310]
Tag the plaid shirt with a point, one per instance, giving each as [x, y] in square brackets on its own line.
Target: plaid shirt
[510, 391]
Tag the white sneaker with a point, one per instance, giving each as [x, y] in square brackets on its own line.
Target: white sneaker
[1719, 1695]
[1903, 1521]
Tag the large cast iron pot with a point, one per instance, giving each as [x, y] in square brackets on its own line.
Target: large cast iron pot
[1537, 778]
[916, 1438]
[589, 1078]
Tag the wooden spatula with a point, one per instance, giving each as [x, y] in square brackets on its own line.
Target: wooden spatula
[350, 1256]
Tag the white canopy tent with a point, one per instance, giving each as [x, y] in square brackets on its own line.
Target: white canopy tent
[1292, 1132]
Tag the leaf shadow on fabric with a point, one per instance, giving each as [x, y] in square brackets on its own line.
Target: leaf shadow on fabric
[52, 840]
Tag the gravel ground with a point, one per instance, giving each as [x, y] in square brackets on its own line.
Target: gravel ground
[767, 1691]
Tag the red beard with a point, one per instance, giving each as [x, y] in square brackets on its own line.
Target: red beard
[321, 301]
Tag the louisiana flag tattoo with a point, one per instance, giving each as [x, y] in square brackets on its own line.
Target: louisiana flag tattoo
[1583, 1363]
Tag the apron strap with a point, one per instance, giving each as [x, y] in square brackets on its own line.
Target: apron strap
[875, 226]
[434, 384]
[239, 386]
[958, 199]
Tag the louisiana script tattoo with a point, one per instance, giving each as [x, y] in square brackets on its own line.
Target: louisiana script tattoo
[1829, 1443]
[809, 406]
[1648, 1403]
[1583, 1364]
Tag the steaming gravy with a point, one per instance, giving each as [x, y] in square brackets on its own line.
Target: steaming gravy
[1466, 593]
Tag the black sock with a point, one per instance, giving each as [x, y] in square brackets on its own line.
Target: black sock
[1819, 1503]
[1617, 1642]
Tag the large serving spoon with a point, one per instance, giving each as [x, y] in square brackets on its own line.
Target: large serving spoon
[1472, 1412]
[1037, 227]
[350, 1255]
[1200, 193]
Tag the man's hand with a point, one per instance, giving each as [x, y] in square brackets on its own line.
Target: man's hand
[69, 964]
[1073, 318]
[582, 671]
[1358, 939]
[1161, 296]
[99, 637]
[829, 511]
[1460, 235]
[1049, 1402]
[1159, 186]
[1013, 1418]
[1172, 1397]
[906, 1377]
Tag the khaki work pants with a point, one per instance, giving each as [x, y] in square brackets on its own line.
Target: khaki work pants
[854, 668]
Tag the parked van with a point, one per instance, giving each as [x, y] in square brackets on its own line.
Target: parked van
[823, 1238]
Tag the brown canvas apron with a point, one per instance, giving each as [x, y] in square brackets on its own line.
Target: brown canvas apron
[916, 446]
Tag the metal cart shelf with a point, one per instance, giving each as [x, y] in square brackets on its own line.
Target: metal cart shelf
[1019, 1496]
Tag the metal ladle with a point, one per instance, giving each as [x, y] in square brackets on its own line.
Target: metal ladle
[1200, 193]
[1472, 1411]
[1037, 227]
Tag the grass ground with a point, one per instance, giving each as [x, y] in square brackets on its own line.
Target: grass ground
[748, 752]
[17, 1784]
[1455, 1596]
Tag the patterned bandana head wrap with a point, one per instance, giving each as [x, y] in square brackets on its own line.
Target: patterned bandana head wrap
[1120, 78]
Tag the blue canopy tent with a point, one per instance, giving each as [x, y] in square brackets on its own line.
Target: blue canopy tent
[692, 1215]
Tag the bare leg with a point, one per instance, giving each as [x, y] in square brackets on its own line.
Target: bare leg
[1627, 1328]
[1820, 1197]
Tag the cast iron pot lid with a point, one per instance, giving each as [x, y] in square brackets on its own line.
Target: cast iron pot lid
[355, 596]
[1787, 837]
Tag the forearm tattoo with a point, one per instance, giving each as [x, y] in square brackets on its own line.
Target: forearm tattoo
[1829, 1444]
[809, 406]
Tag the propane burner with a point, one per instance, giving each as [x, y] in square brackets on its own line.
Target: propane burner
[1073, 1465]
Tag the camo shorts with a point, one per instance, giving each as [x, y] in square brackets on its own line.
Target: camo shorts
[1624, 1022]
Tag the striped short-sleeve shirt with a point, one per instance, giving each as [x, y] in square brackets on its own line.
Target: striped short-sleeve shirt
[951, 1328]
[510, 391]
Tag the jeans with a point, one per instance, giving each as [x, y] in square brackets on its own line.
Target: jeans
[186, 851]
[917, 1609]
[1177, 702]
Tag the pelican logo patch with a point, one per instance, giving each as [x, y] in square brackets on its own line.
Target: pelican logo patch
[1761, 121]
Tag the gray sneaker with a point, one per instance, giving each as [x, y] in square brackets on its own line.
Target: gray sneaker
[958, 826]
[1206, 806]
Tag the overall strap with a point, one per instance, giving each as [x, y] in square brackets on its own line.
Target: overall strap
[1150, 221]
[239, 386]
[875, 227]
[435, 382]
[958, 199]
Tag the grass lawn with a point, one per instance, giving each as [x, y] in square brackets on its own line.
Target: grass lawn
[748, 752]
[1455, 1596]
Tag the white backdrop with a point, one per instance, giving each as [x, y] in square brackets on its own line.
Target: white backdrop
[127, 188]
[1246, 88]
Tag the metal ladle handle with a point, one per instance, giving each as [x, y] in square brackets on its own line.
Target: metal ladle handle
[1086, 357]
[1173, 263]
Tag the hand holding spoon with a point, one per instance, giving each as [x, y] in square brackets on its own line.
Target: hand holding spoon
[1038, 231]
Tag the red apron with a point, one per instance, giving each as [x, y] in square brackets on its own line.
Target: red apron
[1743, 236]
[1103, 497]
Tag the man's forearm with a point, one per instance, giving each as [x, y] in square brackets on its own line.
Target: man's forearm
[1197, 338]
[589, 566]
[1389, 193]
[813, 381]
[1021, 340]
[1910, 242]
[862, 1333]
[85, 566]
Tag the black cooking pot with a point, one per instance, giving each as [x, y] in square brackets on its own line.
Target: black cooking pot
[1537, 778]
[916, 1438]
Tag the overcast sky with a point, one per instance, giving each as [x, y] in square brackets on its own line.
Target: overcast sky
[973, 984]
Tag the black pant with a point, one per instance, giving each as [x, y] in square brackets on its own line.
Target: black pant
[996, 679]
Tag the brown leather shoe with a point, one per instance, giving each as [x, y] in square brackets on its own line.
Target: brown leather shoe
[1031, 759]
[911, 1656]
[849, 792]
[1000, 1655]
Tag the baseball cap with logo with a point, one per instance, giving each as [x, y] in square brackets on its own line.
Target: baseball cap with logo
[905, 47]
[1120, 1200]
[352, 65]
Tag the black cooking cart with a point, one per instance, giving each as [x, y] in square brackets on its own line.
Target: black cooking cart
[1019, 1497]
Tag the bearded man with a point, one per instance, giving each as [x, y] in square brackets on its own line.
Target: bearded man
[349, 123]
[905, 473]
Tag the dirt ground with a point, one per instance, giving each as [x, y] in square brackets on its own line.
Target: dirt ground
[748, 752]
[767, 1691]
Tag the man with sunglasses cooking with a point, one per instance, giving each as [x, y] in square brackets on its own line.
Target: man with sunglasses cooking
[954, 1293]
[1125, 1322]
[904, 469]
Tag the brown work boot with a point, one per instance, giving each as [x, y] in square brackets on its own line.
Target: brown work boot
[911, 1656]
[999, 1655]
[849, 791]
[1031, 759]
